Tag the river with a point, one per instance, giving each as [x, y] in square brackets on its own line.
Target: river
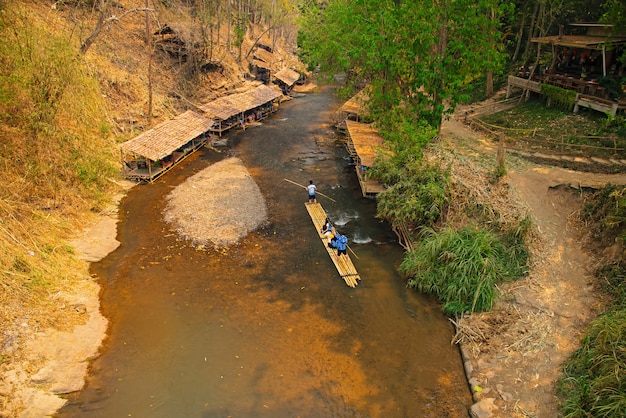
[267, 328]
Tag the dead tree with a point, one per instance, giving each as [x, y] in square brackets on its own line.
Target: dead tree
[105, 18]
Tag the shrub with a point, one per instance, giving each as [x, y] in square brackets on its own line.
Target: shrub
[606, 209]
[417, 197]
[462, 267]
[563, 98]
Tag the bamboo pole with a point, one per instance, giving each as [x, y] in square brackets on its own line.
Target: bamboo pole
[352, 251]
[319, 193]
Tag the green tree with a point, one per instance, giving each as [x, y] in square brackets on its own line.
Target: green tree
[416, 55]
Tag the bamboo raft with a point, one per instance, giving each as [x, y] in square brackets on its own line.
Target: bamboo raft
[343, 263]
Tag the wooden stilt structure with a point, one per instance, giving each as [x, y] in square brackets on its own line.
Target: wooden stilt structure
[344, 265]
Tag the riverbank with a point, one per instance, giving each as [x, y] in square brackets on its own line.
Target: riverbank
[53, 362]
[217, 206]
[513, 354]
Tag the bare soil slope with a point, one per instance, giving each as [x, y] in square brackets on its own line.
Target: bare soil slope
[514, 353]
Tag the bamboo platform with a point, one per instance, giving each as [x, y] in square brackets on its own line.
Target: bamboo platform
[344, 265]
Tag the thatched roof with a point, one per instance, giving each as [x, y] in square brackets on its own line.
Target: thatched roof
[264, 55]
[582, 41]
[227, 106]
[367, 142]
[288, 76]
[261, 95]
[261, 64]
[356, 105]
[221, 108]
[168, 136]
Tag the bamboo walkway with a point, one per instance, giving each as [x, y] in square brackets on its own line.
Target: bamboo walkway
[343, 263]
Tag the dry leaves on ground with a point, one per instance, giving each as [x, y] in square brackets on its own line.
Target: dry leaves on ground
[218, 206]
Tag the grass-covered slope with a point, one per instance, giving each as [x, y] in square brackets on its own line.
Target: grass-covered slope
[57, 154]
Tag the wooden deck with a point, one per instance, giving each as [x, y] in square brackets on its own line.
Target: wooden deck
[343, 263]
[369, 186]
[590, 94]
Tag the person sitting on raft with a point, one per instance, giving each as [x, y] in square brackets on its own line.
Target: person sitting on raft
[328, 230]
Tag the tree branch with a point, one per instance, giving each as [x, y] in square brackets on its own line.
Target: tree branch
[104, 22]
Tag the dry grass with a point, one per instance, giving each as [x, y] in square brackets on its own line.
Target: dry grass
[475, 195]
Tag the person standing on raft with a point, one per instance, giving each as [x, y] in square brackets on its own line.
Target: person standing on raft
[311, 188]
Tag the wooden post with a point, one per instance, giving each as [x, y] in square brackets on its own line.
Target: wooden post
[500, 154]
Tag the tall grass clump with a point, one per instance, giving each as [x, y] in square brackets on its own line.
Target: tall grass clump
[57, 157]
[417, 198]
[53, 113]
[593, 383]
[461, 267]
[612, 279]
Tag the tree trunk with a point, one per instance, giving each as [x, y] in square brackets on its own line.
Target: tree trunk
[149, 48]
[104, 19]
[489, 84]
[531, 30]
[96, 31]
[520, 34]
[441, 52]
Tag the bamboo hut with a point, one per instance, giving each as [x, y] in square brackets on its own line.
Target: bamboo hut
[241, 109]
[588, 64]
[286, 78]
[363, 144]
[151, 154]
[354, 109]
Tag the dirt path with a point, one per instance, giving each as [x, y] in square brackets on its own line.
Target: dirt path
[514, 353]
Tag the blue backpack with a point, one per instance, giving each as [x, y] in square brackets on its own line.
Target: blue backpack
[342, 241]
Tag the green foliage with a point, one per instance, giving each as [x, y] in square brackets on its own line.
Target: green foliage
[406, 138]
[416, 55]
[615, 14]
[614, 125]
[612, 86]
[462, 267]
[239, 32]
[594, 379]
[417, 195]
[563, 98]
[499, 172]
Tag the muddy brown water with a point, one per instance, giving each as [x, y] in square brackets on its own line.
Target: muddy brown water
[267, 328]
